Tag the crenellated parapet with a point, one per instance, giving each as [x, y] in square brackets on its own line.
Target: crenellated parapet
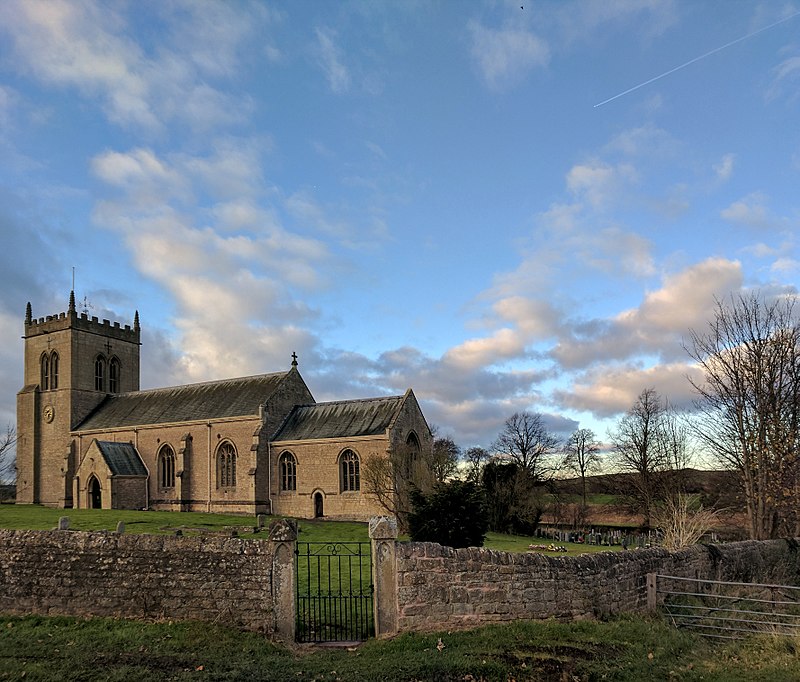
[82, 322]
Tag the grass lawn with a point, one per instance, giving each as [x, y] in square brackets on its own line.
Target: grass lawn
[35, 517]
[58, 648]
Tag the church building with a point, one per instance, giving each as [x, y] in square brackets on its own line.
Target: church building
[89, 438]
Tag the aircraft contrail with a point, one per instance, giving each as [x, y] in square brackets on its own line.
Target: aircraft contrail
[696, 59]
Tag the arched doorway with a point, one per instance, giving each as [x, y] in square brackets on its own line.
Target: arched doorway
[95, 495]
[318, 505]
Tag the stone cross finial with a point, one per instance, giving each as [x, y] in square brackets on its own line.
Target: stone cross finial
[294, 359]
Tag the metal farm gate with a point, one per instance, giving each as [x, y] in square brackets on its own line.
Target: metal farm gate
[334, 591]
[727, 610]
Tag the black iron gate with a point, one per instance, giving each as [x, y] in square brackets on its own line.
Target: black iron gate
[334, 591]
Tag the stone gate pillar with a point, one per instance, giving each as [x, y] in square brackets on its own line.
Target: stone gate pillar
[283, 540]
[383, 535]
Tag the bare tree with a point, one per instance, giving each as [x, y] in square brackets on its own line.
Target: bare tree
[391, 479]
[581, 456]
[647, 443]
[749, 405]
[683, 521]
[476, 458]
[444, 459]
[526, 441]
[7, 461]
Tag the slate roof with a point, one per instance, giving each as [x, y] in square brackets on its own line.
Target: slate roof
[341, 419]
[209, 400]
[122, 458]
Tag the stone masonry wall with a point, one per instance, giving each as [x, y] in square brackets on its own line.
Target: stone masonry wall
[440, 587]
[226, 580]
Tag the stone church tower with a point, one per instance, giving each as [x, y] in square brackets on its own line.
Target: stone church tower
[72, 362]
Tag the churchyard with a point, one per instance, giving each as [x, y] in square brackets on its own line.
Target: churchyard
[35, 517]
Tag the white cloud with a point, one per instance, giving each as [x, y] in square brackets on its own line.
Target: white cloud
[599, 183]
[749, 211]
[234, 278]
[647, 140]
[472, 354]
[608, 390]
[658, 324]
[724, 169]
[616, 250]
[330, 61]
[85, 45]
[505, 56]
[580, 20]
[784, 76]
[786, 266]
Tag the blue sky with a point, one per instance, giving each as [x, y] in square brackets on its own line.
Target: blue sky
[407, 194]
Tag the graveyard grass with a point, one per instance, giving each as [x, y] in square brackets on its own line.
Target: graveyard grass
[35, 517]
[627, 649]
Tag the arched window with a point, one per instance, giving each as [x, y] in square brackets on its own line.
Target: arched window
[288, 471]
[54, 370]
[411, 455]
[351, 471]
[45, 382]
[166, 467]
[226, 465]
[99, 373]
[113, 375]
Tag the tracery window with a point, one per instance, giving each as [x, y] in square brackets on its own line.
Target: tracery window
[288, 471]
[113, 375]
[100, 373]
[411, 455]
[350, 469]
[166, 467]
[226, 465]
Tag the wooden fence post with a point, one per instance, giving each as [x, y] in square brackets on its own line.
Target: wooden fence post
[651, 592]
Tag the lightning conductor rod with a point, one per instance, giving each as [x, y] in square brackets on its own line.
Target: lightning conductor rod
[696, 59]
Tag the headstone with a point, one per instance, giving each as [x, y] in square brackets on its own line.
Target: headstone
[120, 527]
[63, 523]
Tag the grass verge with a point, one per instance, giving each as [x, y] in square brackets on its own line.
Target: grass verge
[39, 648]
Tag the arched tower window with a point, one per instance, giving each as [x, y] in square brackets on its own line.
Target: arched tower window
[226, 465]
[45, 381]
[166, 467]
[113, 375]
[288, 471]
[54, 370]
[350, 469]
[99, 373]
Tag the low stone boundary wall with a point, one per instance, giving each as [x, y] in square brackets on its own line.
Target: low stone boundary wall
[440, 587]
[250, 583]
[225, 580]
